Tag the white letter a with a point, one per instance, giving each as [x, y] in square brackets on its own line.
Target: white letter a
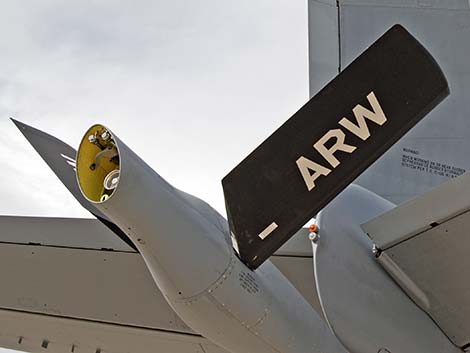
[305, 165]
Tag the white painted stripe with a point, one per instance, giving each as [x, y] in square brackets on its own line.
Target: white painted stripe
[269, 229]
[70, 161]
[234, 243]
[67, 157]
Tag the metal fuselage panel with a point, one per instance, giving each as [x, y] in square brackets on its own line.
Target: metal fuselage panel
[29, 332]
[423, 244]
[364, 307]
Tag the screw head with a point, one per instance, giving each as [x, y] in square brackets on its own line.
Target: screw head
[314, 237]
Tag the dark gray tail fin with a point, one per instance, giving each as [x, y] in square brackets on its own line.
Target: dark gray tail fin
[60, 157]
[329, 142]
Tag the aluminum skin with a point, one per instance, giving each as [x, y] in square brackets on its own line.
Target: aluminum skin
[193, 264]
[364, 307]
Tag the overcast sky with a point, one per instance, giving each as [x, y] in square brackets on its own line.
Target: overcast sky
[190, 86]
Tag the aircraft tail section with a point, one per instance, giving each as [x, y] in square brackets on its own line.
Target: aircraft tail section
[330, 141]
[436, 149]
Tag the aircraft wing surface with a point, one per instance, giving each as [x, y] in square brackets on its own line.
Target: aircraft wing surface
[424, 245]
[71, 285]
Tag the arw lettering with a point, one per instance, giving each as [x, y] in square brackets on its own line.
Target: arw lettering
[311, 170]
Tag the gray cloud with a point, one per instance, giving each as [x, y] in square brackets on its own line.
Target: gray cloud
[192, 86]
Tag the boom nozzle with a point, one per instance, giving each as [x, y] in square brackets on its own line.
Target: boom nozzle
[98, 164]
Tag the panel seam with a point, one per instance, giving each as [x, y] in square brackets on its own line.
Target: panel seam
[338, 6]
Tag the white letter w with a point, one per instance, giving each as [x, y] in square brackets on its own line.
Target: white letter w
[377, 116]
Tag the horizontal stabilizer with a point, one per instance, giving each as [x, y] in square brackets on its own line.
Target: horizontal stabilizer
[424, 245]
[331, 140]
